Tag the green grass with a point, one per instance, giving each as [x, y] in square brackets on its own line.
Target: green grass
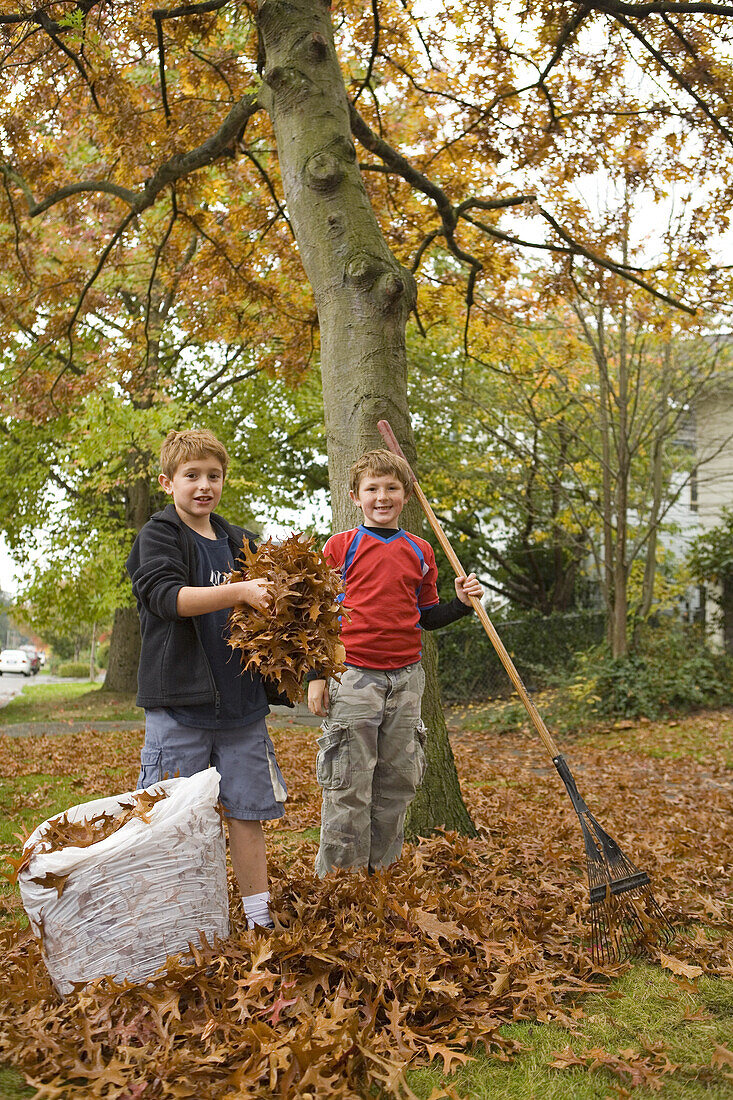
[509, 715]
[12, 1085]
[26, 801]
[69, 703]
[646, 1007]
[699, 735]
[290, 840]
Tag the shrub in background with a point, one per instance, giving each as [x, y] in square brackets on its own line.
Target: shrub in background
[543, 648]
[101, 656]
[673, 669]
[76, 669]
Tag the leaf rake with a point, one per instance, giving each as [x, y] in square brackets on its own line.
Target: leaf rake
[625, 916]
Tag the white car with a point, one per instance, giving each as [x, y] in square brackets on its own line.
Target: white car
[16, 660]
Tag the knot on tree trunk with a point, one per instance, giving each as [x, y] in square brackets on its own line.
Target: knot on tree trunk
[317, 47]
[324, 172]
[289, 85]
[363, 270]
[336, 225]
[392, 288]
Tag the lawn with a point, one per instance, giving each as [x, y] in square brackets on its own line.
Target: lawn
[460, 972]
[83, 702]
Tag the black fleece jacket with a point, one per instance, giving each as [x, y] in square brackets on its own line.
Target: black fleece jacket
[174, 669]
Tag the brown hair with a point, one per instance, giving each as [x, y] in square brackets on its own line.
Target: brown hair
[188, 446]
[380, 464]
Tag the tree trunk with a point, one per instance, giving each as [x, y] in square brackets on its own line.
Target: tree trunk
[726, 604]
[620, 643]
[363, 295]
[606, 494]
[438, 803]
[124, 652]
[124, 645]
[657, 487]
[93, 654]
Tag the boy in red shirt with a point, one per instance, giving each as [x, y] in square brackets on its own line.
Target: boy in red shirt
[371, 755]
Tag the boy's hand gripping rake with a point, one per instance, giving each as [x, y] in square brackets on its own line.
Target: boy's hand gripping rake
[624, 913]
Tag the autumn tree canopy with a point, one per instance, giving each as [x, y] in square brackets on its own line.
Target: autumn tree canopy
[170, 173]
[146, 226]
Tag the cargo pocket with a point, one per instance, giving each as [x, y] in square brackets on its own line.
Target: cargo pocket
[333, 763]
[150, 767]
[279, 790]
[421, 740]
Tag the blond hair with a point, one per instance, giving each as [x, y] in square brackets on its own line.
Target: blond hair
[380, 464]
[188, 446]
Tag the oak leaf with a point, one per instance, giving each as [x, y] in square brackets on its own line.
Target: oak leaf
[683, 969]
[722, 1056]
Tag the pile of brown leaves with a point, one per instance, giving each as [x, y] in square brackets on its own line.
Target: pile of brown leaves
[365, 975]
[300, 630]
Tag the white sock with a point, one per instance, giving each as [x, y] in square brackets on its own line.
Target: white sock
[257, 909]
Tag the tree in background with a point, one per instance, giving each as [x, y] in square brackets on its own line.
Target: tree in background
[501, 444]
[568, 449]
[461, 115]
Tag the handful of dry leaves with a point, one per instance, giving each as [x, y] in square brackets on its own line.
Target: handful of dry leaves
[300, 630]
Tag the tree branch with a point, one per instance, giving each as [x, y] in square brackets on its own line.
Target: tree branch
[372, 53]
[677, 77]
[178, 166]
[49, 25]
[566, 34]
[105, 186]
[609, 265]
[188, 9]
[161, 66]
[641, 11]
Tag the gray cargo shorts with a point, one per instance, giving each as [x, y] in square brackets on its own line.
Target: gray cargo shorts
[252, 785]
[371, 760]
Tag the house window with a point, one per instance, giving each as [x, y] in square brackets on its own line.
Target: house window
[693, 491]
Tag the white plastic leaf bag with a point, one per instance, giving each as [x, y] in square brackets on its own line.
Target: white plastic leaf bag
[136, 896]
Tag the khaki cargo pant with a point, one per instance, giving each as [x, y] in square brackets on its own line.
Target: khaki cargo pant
[371, 760]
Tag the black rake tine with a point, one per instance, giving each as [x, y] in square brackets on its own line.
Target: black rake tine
[623, 911]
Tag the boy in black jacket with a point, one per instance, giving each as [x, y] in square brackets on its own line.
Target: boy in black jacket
[200, 708]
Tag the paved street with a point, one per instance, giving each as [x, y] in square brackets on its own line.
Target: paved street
[11, 684]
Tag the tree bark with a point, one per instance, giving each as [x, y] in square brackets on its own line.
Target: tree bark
[124, 652]
[620, 646]
[657, 460]
[438, 803]
[726, 605]
[124, 646]
[362, 294]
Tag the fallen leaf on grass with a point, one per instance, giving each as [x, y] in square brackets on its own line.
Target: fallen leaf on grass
[450, 1057]
[721, 1057]
[566, 1059]
[684, 970]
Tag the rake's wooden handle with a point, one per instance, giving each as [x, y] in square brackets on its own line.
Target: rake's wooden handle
[391, 440]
